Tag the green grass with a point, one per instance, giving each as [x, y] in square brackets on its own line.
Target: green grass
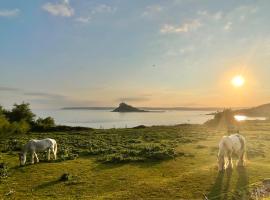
[190, 174]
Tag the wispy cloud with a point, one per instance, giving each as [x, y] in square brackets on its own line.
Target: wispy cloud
[83, 19]
[214, 16]
[180, 51]
[151, 11]
[228, 26]
[59, 9]
[132, 99]
[9, 13]
[99, 9]
[11, 89]
[184, 28]
[103, 8]
[45, 95]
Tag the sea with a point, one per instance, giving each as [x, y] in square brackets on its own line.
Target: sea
[106, 119]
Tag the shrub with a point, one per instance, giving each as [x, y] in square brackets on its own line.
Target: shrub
[66, 153]
[43, 124]
[65, 177]
[20, 127]
[20, 112]
[3, 170]
[4, 124]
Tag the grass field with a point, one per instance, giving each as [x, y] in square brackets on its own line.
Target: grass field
[190, 173]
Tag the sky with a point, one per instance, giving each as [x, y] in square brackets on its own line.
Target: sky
[58, 53]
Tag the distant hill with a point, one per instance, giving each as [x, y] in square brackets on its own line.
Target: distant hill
[123, 107]
[259, 111]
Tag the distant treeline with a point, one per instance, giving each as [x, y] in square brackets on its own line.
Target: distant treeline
[223, 118]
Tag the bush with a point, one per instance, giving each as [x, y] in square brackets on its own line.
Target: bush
[3, 170]
[43, 124]
[20, 112]
[65, 153]
[20, 127]
[4, 125]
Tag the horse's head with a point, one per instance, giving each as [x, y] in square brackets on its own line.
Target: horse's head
[22, 158]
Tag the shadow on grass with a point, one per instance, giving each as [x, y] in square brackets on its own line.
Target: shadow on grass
[141, 164]
[216, 190]
[241, 188]
[221, 187]
[47, 184]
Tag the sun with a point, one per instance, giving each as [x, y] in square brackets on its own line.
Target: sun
[238, 81]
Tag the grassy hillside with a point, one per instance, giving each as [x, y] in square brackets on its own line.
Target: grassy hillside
[189, 173]
[259, 111]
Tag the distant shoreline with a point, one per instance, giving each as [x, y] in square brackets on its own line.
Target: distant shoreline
[150, 108]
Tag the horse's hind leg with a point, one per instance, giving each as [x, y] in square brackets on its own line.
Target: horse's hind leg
[55, 151]
[241, 161]
[54, 154]
[230, 164]
[49, 152]
[36, 157]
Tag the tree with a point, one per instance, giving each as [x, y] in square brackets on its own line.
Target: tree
[44, 124]
[223, 119]
[1, 110]
[20, 112]
[4, 124]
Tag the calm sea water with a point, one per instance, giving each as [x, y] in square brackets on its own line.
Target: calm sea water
[107, 119]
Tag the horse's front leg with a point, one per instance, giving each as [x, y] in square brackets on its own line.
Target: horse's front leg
[36, 157]
[49, 152]
[32, 157]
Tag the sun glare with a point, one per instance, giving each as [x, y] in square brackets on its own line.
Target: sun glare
[238, 81]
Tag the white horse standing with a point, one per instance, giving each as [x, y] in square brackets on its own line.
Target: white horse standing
[34, 146]
[228, 145]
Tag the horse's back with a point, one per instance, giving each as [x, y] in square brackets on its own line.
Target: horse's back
[238, 141]
[40, 145]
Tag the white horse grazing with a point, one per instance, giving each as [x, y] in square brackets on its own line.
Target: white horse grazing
[228, 145]
[34, 146]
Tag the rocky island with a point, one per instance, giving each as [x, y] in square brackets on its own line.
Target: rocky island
[123, 107]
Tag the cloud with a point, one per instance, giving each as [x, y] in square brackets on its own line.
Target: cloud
[132, 99]
[59, 9]
[99, 9]
[9, 13]
[214, 16]
[45, 95]
[152, 10]
[180, 51]
[184, 28]
[83, 19]
[228, 26]
[11, 89]
[103, 8]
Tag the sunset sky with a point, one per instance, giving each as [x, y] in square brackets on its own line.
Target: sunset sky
[56, 53]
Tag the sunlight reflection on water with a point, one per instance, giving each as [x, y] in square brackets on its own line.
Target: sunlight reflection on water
[246, 118]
